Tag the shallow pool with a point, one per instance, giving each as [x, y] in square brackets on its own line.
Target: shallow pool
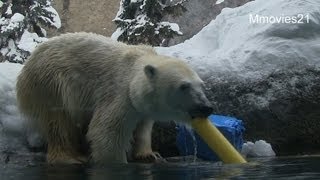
[302, 167]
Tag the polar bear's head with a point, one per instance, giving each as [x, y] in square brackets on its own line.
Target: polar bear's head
[167, 89]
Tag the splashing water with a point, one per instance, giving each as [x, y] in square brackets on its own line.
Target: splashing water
[194, 141]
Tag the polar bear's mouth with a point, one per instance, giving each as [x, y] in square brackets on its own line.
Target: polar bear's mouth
[200, 112]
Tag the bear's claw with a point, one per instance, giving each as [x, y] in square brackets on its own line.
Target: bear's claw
[152, 157]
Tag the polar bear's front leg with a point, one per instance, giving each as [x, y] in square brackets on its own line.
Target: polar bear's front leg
[106, 147]
[141, 148]
[109, 133]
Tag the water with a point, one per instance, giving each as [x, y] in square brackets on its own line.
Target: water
[302, 167]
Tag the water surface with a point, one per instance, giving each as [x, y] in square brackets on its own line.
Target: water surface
[300, 167]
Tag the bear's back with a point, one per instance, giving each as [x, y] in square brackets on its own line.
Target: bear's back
[77, 68]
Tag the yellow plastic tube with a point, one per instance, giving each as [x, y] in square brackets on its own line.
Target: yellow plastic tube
[216, 141]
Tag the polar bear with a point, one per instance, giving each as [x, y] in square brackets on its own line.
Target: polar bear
[85, 91]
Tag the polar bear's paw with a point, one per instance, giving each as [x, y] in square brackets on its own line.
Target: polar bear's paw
[149, 157]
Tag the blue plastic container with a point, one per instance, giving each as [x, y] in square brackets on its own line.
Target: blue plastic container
[230, 127]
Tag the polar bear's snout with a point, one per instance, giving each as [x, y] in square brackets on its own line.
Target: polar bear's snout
[203, 108]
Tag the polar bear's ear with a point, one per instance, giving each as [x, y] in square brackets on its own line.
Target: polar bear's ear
[150, 71]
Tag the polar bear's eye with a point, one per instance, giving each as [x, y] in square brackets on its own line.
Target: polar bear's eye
[185, 86]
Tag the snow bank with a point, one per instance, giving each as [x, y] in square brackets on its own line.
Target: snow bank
[11, 123]
[14, 136]
[258, 149]
[234, 47]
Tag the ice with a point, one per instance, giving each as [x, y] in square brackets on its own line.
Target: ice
[258, 149]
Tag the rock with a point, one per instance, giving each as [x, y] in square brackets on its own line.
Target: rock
[265, 74]
[164, 139]
[192, 16]
[90, 16]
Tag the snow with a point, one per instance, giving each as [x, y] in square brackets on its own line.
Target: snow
[173, 26]
[117, 33]
[44, 32]
[17, 17]
[219, 1]
[16, 31]
[140, 21]
[11, 122]
[13, 132]
[258, 149]
[13, 22]
[1, 3]
[135, 1]
[11, 50]
[120, 11]
[143, 4]
[9, 10]
[29, 41]
[229, 39]
[232, 46]
[56, 22]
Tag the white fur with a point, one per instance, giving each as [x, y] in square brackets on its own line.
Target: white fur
[83, 82]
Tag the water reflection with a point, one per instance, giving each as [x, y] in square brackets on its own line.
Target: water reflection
[179, 169]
